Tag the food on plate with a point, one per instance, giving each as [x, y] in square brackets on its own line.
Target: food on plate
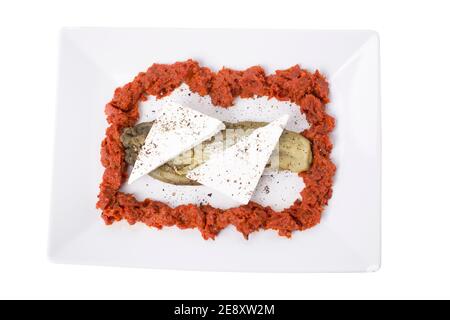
[294, 151]
[308, 90]
[236, 171]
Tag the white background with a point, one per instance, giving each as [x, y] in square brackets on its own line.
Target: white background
[415, 61]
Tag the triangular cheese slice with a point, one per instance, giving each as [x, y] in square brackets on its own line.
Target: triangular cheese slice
[236, 171]
[177, 129]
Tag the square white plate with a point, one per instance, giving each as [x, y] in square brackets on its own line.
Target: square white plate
[94, 61]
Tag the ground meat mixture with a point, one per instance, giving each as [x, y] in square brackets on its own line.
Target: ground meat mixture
[308, 90]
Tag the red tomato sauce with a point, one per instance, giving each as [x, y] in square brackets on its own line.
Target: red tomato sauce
[308, 90]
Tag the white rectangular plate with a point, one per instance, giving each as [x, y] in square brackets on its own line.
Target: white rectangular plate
[94, 61]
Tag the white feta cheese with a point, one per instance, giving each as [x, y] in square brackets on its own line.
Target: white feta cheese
[236, 171]
[176, 130]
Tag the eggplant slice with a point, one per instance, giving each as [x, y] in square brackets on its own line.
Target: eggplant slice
[294, 151]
